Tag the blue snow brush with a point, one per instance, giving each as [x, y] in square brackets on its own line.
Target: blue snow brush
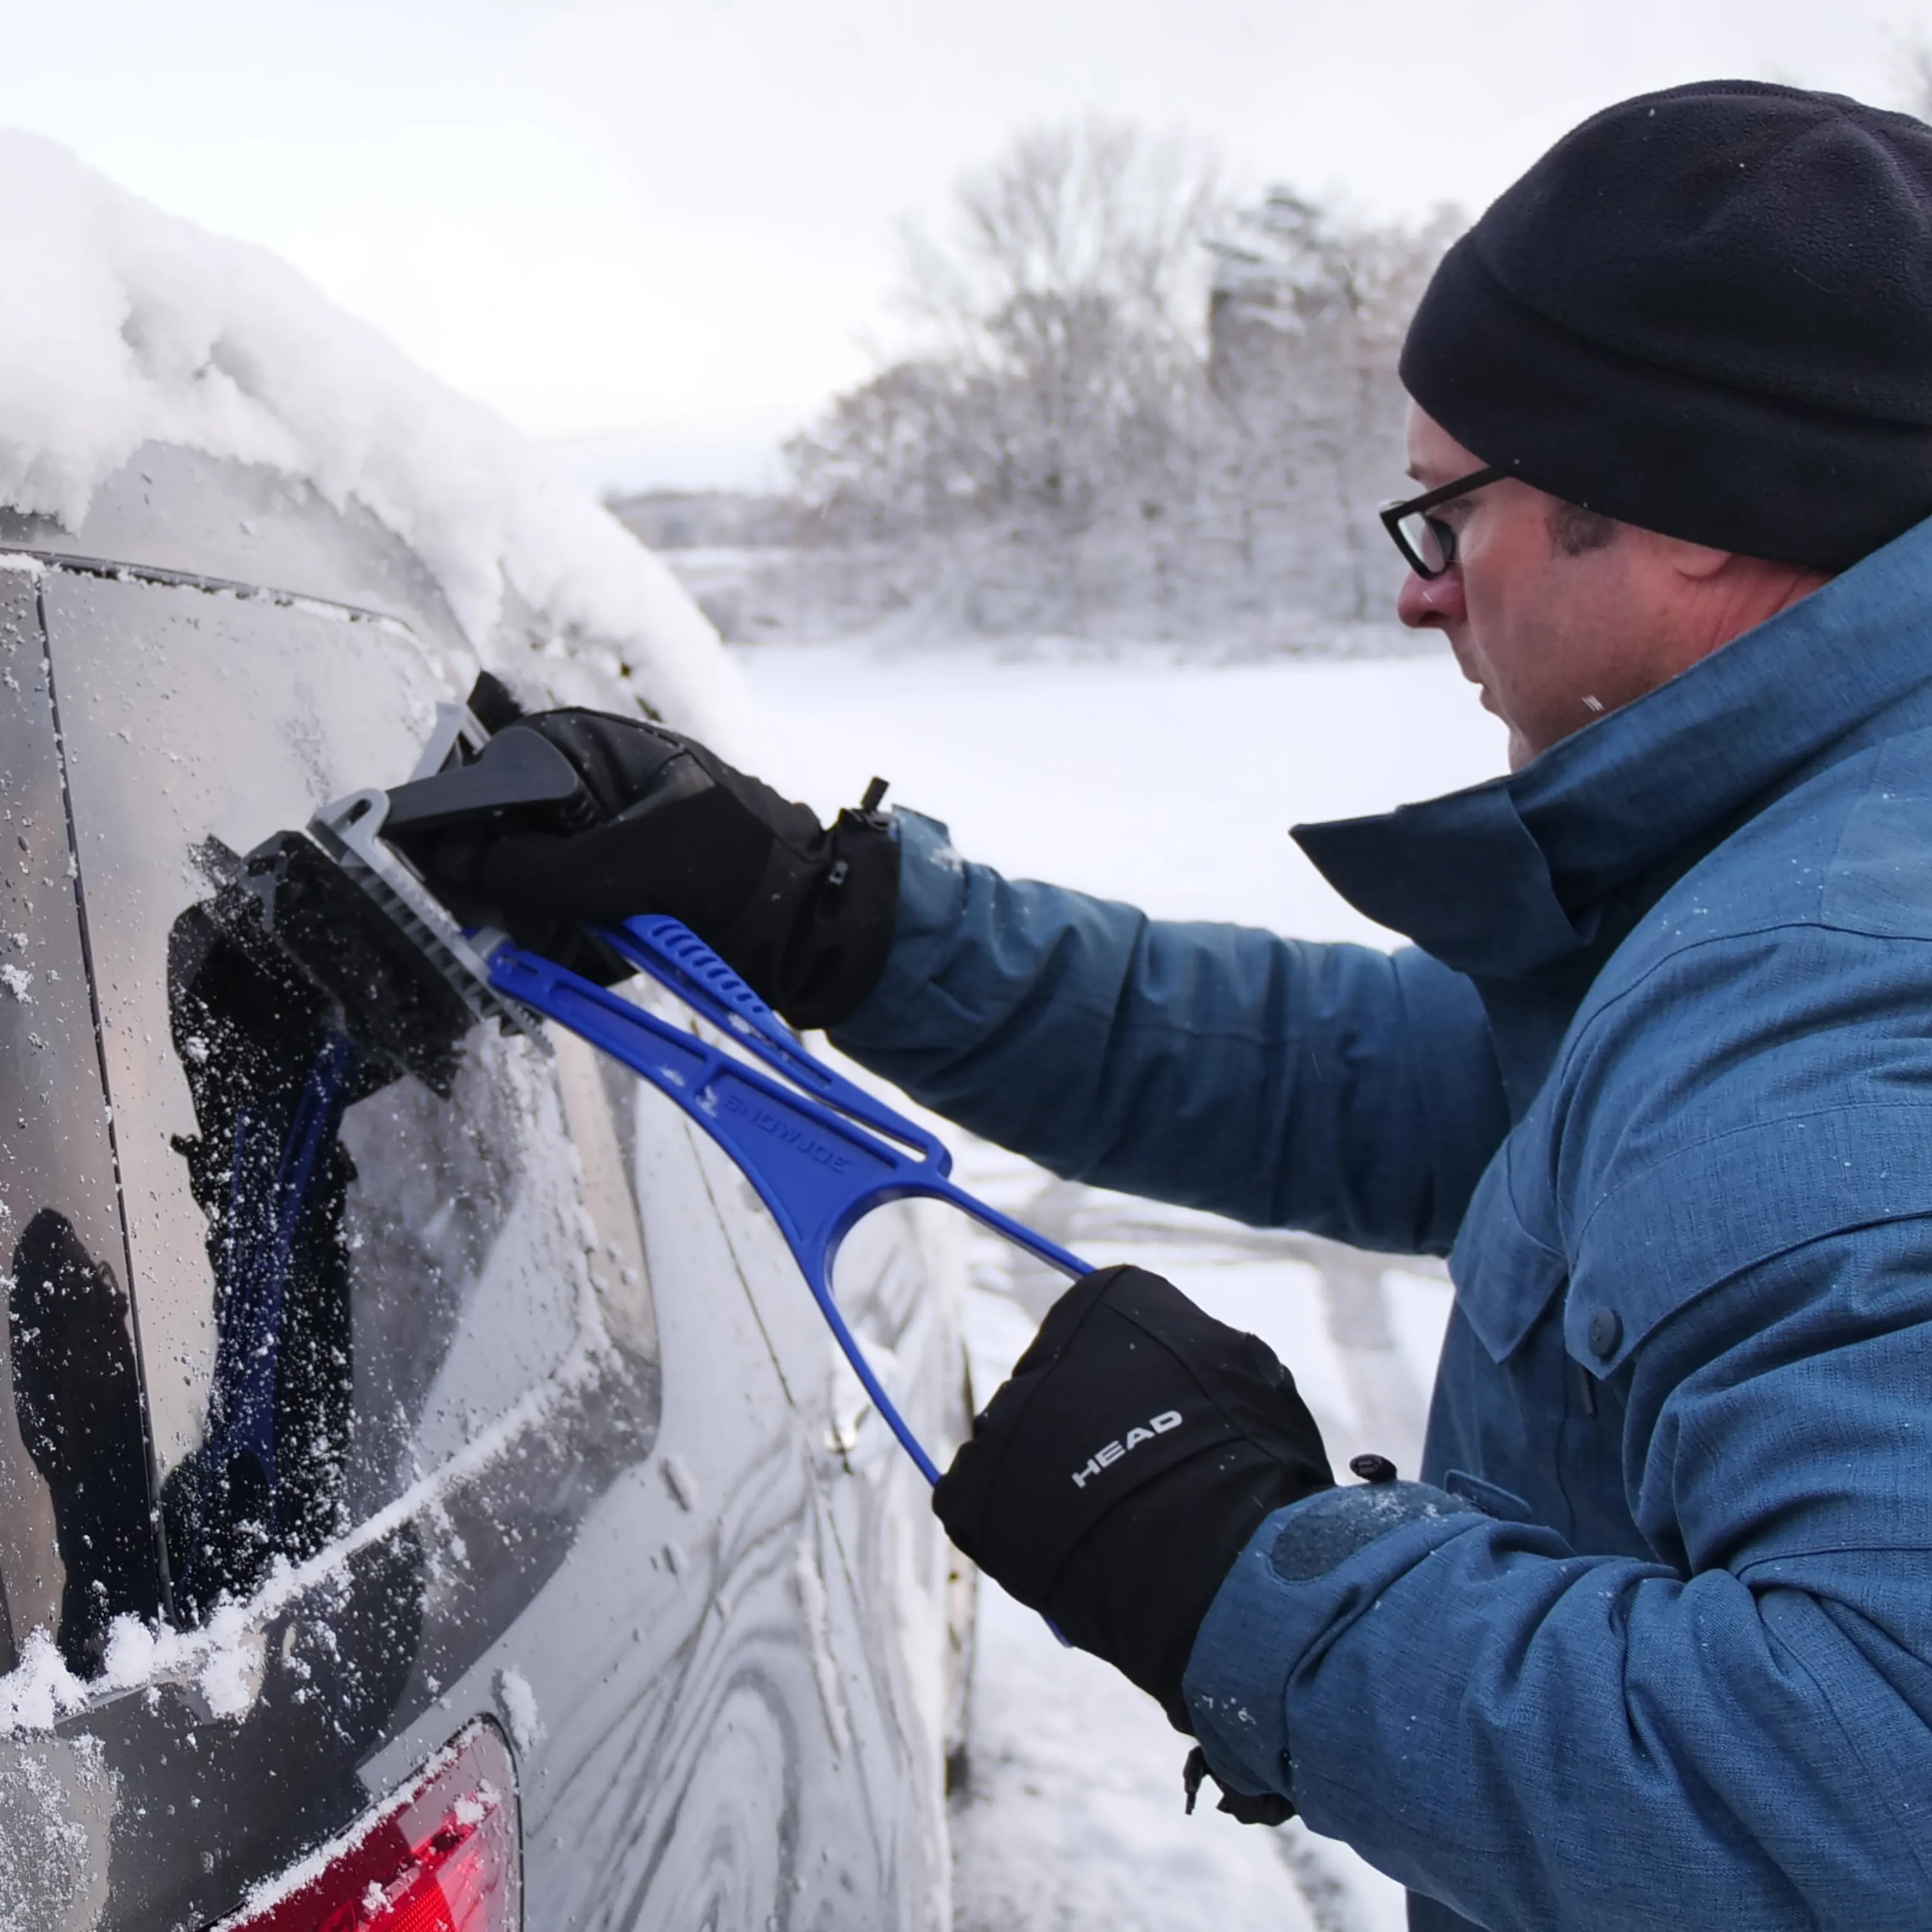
[821, 1152]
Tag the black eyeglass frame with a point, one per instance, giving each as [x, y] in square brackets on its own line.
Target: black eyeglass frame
[1392, 515]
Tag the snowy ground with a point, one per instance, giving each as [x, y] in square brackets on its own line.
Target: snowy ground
[1170, 783]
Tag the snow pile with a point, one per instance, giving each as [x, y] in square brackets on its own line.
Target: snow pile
[518, 1703]
[40, 1690]
[125, 325]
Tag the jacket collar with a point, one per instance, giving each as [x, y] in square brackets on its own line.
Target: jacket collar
[1508, 877]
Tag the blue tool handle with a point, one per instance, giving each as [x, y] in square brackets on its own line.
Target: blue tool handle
[821, 1165]
[678, 959]
[674, 956]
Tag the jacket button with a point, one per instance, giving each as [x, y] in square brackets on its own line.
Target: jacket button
[1606, 1331]
[1373, 1468]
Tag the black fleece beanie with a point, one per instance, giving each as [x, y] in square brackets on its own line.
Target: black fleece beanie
[1707, 311]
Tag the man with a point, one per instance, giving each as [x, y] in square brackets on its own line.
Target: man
[1652, 1642]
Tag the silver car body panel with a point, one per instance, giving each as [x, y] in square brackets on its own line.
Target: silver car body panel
[596, 1469]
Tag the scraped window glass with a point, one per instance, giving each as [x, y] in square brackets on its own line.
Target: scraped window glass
[360, 1238]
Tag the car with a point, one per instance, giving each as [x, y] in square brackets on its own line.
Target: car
[428, 1495]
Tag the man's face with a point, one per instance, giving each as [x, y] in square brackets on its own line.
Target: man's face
[1554, 634]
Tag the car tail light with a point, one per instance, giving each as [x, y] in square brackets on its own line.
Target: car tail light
[443, 1855]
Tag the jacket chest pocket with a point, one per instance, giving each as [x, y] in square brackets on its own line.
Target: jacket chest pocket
[1505, 1276]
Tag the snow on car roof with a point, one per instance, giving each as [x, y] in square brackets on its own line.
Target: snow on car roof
[125, 326]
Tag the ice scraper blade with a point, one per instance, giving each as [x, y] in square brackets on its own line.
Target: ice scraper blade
[351, 831]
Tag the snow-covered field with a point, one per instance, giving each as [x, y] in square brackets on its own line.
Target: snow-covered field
[1169, 782]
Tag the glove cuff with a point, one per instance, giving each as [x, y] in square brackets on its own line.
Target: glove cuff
[837, 952]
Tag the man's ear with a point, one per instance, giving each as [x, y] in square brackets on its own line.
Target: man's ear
[1696, 562]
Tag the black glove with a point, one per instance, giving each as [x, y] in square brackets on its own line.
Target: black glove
[1112, 1482]
[803, 914]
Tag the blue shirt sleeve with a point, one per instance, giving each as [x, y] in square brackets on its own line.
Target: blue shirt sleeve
[1334, 1088]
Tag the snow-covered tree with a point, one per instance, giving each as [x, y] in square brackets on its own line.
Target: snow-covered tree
[1306, 323]
[1124, 403]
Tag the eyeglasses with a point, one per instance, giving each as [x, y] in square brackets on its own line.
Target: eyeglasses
[1427, 544]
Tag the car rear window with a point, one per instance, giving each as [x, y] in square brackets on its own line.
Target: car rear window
[341, 1272]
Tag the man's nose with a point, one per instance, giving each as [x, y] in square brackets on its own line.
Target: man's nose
[1431, 603]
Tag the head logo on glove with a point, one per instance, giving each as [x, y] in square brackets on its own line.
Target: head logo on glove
[1158, 1425]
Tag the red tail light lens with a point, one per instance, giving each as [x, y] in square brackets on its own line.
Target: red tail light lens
[444, 1855]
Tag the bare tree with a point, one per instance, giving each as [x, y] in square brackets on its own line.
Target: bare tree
[1055, 321]
[1091, 214]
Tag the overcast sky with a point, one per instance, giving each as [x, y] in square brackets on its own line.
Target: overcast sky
[600, 216]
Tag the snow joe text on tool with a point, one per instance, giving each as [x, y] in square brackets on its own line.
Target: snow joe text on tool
[821, 1151]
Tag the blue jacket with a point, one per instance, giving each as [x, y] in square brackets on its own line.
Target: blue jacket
[1652, 1644]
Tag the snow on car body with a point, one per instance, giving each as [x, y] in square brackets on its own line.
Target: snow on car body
[553, 1442]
